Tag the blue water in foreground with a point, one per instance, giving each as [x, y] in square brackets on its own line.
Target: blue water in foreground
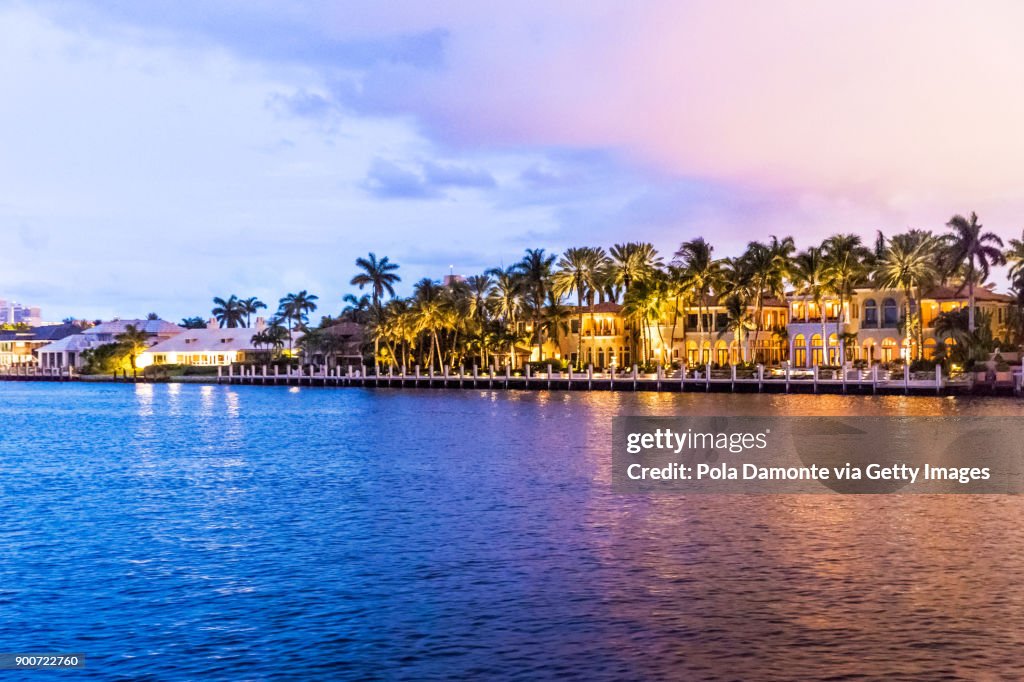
[206, 532]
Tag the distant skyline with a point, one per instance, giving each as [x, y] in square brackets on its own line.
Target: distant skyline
[154, 155]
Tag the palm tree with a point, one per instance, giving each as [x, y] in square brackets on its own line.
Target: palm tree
[379, 275]
[535, 270]
[738, 319]
[251, 306]
[133, 341]
[641, 308]
[1015, 257]
[229, 313]
[976, 250]
[811, 278]
[295, 309]
[677, 288]
[737, 290]
[506, 303]
[909, 263]
[356, 308]
[846, 259]
[275, 334]
[579, 272]
[192, 323]
[632, 262]
[703, 273]
[768, 265]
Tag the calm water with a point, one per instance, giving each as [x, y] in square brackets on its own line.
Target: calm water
[183, 532]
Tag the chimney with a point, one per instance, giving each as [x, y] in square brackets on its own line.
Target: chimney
[261, 324]
[212, 323]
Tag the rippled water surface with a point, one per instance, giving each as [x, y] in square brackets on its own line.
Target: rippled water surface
[207, 532]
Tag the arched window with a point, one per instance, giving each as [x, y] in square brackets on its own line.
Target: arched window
[722, 353]
[600, 358]
[890, 313]
[889, 350]
[870, 313]
[929, 349]
[816, 349]
[799, 350]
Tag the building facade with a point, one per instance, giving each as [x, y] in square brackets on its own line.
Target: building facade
[867, 326]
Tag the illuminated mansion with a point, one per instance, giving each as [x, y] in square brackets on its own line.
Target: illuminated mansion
[866, 326]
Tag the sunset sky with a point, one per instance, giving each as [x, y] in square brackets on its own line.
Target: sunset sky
[154, 156]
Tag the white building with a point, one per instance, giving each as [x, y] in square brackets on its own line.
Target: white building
[207, 347]
[67, 352]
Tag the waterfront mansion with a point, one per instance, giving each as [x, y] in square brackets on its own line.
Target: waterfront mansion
[866, 326]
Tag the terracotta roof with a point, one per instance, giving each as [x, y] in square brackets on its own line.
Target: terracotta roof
[947, 293]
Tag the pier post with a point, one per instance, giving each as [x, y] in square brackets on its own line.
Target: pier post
[231, 373]
[788, 370]
[218, 373]
[417, 375]
[732, 387]
[275, 375]
[590, 376]
[264, 374]
[549, 376]
[634, 377]
[508, 374]
[570, 376]
[707, 378]
[938, 379]
[760, 377]
[528, 372]
[906, 377]
[611, 378]
[816, 368]
[874, 379]
[682, 377]
[657, 385]
[476, 373]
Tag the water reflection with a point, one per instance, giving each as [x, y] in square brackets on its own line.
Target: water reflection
[428, 534]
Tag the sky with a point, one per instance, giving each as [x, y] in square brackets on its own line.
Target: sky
[154, 155]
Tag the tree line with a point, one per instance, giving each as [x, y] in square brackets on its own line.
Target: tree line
[485, 317]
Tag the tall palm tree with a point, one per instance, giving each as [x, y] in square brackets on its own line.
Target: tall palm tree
[536, 269]
[976, 251]
[506, 303]
[641, 307]
[811, 278]
[737, 290]
[228, 312]
[632, 262]
[704, 274]
[768, 265]
[295, 309]
[847, 262]
[380, 276]
[909, 263]
[251, 306]
[579, 272]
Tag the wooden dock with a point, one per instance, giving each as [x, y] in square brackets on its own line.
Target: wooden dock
[874, 381]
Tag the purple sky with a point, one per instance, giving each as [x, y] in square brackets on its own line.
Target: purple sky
[154, 156]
